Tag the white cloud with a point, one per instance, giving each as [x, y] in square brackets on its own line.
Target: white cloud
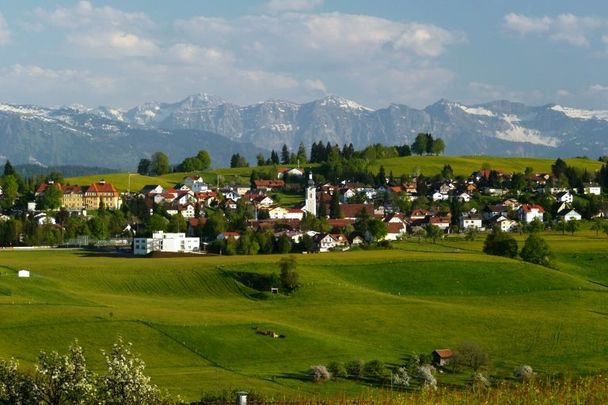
[568, 28]
[526, 25]
[43, 84]
[332, 50]
[5, 34]
[112, 45]
[277, 6]
[597, 89]
[85, 15]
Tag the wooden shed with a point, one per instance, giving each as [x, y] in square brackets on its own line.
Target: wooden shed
[441, 357]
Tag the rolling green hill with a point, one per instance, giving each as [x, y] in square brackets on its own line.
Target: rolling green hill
[428, 165]
[194, 322]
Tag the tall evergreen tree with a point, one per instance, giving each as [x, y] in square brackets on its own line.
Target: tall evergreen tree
[335, 209]
[274, 157]
[285, 155]
[301, 155]
[8, 169]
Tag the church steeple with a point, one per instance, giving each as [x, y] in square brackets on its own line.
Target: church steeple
[310, 205]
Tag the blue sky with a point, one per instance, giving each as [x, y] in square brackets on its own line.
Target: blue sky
[123, 53]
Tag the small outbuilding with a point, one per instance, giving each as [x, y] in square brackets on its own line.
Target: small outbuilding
[23, 273]
[442, 357]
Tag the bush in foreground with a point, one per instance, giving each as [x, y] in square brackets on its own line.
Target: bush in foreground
[319, 373]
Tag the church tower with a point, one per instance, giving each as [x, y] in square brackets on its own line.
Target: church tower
[311, 197]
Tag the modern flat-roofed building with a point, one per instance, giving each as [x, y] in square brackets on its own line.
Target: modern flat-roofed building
[166, 242]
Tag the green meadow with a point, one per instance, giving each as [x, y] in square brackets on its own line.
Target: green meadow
[194, 322]
[428, 165]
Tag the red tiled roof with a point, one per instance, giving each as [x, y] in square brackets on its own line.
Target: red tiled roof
[444, 353]
[530, 207]
[353, 210]
[269, 183]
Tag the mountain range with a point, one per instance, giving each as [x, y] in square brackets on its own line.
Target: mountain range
[116, 138]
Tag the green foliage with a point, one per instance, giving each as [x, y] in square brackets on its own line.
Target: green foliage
[144, 167]
[15, 387]
[64, 379]
[158, 223]
[500, 243]
[354, 368]
[337, 369]
[471, 355]
[238, 161]
[125, 383]
[289, 276]
[374, 369]
[536, 250]
[159, 164]
[52, 198]
[433, 232]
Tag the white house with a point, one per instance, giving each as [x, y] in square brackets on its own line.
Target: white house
[437, 196]
[290, 172]
[23, 274]
[277, 213]
[565, 197]
[294, 213]
[572, 215]
[470, 221]
[530, 212]
[196, 184]
[464, 197]
[166, 242]
[504, 224]
[589, 188]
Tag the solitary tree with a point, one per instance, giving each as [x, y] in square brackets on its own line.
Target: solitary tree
[536, 250]
[289, 276]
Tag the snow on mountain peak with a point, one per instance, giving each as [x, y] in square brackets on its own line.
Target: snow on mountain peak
[476, 110]
[581, 114]
[343, 103]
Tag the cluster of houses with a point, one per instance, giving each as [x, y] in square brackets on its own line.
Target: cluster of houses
[193, 196]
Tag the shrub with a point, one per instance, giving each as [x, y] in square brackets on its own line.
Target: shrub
[289, 277]
[124, 382]
[536, 250]
[373, 369]
[524, 373]
[478, 380]
[499, 243]
[470, 355]
[319, 373]
[64, 379]
[424, 374]
[401, 378]
[15, 388]
[354, 368]
[337, 369]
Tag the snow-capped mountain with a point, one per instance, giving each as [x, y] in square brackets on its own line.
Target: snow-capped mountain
[119, 138]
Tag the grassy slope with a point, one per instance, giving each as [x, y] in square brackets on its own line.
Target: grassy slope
[465, 165]
[428, 165]
[194, 324]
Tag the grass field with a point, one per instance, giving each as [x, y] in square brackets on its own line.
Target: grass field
[194, 323]
[428, 165]
[465, 165]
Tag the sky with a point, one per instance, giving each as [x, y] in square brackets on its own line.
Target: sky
[125, 53]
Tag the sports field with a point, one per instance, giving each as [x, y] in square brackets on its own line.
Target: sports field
[194, 323]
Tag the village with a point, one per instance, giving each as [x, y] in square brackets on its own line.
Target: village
[197, 217]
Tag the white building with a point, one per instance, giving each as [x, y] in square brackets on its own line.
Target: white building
[196, 184]
[572, 215]
[530, 212]
[590, 188]
[311, 197]
[470, 221]
[23, 274]
[166, 242]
